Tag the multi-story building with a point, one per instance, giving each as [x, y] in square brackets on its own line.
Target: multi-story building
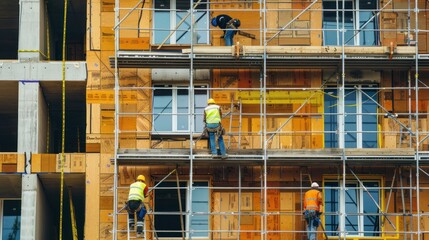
[332, 91]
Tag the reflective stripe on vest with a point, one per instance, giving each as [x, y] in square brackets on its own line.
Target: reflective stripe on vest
[136, 191]
[212, 113]
[311, 200]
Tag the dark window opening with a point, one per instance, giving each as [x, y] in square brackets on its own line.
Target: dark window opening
[75, 29]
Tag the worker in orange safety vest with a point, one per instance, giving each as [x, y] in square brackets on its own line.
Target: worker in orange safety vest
[313, 203]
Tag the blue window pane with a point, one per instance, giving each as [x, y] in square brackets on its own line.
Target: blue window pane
[182, 109]
[200, 99]
[11, 220]
[333, 20]
[371, 218]
[352, 223]
[365, 30]
[162, 21]
[167, 17]
[368, 37]
[200, 203]
[330, 119]
[331, 207]
[369, 119]
[162, 109]
[182, 34]
[350, 119]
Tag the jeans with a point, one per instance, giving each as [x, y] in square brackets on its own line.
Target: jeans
[311, 229]
[229, 36]
[212, 140]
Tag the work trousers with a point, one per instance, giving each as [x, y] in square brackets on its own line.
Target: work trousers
[133, 207]
[212, 138]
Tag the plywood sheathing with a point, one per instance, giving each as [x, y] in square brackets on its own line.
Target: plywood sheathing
[12, 162]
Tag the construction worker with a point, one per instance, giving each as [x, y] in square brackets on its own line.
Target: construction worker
[212, 119]
[229, 26]
[136, 196]
[312, 210]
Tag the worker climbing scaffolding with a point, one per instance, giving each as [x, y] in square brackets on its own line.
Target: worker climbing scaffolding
[138, 192]
[313, 203]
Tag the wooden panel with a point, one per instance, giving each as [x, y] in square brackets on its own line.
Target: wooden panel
[92, 147]
[106, 216]
[8, 167]
[36, 163]
[65, 164]
[20, 163]
[93, 41]
[107, 121]
[9, 158]
[92, 204]
[78, 162]
[48, 162]
[105, 163]
[106, 184]
[93, 118]
[107, 39]
[94, 79]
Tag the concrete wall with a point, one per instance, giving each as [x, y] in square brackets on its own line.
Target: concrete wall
[35, 217]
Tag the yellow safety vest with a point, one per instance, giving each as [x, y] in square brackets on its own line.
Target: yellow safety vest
[212, 114]
[137, 191]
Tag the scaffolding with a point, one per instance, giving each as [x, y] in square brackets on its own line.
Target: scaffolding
[333, 101]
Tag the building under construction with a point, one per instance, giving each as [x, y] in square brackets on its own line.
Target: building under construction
[94, 93]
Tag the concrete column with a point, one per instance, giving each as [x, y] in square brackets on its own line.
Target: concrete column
[31, 30]
[32, 115]
[35, 213]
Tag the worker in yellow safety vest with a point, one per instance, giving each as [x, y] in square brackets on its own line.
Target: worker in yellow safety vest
[313, 203]
[136, 196]
[212, 119]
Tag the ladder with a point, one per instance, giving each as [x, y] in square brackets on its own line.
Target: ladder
[234, 127]
[134, 231]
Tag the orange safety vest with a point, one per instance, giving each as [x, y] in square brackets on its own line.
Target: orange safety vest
[312, 200]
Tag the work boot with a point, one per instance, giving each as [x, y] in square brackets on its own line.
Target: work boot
[139, 227]
[131, 224]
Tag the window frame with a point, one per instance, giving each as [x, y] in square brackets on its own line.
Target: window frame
[362, 138]
[356, 30]
[340, 221]
[173, 14]
[175, 88]
[2, 214]
[188, 205]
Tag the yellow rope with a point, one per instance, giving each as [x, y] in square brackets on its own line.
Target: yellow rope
[63, 118]
[34, 51]
[48, 43]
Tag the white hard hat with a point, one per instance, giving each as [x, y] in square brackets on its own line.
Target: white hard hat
[314, 185]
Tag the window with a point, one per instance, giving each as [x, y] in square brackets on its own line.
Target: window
[10, 224]
[360, 22]
[169, 13]
[360, 119]
[361, 216]
[168, 223]
[171, 108]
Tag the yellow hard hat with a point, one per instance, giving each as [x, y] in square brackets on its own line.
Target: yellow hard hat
[141, 178]
[211, 101]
